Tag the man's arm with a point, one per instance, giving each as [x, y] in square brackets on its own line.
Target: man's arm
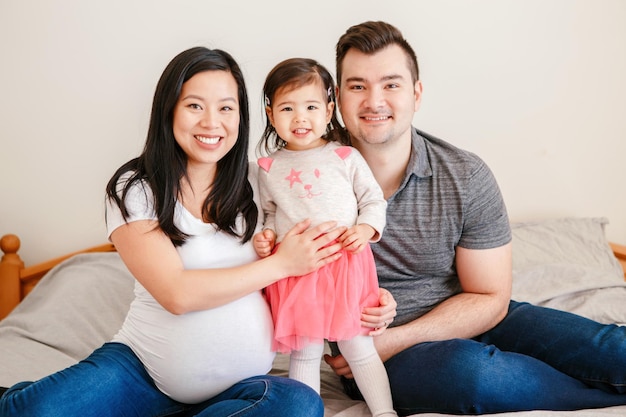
[486, 278]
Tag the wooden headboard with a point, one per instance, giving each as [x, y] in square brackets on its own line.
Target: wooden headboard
[16, 280]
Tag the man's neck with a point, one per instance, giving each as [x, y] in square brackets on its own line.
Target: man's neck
[388, 163]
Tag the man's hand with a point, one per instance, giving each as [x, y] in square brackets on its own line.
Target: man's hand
[376, 318]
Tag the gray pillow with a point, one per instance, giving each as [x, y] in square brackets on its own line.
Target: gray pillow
[75, 308]
[567, 263]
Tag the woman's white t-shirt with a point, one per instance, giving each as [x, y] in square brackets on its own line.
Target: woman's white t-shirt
[195, 356]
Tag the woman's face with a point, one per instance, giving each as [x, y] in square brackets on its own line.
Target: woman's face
[206, 117]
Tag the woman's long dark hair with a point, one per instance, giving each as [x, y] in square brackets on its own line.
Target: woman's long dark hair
[162, 164]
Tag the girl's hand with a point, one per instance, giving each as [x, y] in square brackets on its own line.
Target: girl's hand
[305, 250]
[356, 237]
[264, 242]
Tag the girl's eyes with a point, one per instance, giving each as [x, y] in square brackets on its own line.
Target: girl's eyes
[310, 107]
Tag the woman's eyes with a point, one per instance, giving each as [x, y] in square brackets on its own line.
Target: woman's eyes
[196, 106]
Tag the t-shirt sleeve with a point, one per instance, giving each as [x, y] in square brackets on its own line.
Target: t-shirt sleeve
[371, 202]
[139, 204]
[486, 222]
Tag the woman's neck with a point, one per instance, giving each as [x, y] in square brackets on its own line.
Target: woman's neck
[195, 188]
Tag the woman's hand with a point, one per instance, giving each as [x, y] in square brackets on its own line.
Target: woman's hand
[304, 250]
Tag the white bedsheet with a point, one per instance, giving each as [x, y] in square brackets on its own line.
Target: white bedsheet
[565, 263]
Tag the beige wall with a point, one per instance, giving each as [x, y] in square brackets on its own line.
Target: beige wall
[535, 87]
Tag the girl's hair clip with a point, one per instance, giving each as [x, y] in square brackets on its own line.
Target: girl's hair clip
[267, 100]
[330, 91]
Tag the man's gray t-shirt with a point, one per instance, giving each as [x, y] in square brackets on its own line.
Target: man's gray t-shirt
[449, 197]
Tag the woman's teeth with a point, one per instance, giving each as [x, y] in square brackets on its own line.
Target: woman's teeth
[208, 141]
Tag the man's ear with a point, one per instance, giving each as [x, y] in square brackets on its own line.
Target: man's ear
[418, 94]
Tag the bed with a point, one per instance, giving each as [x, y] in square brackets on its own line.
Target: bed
[56, 312]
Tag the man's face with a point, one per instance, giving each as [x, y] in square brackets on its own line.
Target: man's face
[377, 97]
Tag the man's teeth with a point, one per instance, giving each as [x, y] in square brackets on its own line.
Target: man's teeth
[208, 141]
[374, 119]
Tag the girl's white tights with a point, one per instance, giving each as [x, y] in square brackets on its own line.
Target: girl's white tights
[368, 370]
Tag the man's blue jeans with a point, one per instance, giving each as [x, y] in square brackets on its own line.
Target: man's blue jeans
[536, 358]
[113, 382]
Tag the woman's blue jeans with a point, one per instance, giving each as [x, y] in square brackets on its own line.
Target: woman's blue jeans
[536, 358]
[113, 382]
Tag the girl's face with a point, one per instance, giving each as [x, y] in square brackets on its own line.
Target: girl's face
[300, 115]
[206, 117]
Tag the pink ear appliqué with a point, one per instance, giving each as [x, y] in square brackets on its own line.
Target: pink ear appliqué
[343, 152]
[265, 163]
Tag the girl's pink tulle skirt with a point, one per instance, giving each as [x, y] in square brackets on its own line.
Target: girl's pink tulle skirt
[325, 304]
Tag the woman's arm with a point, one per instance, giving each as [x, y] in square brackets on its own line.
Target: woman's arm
[154, 262]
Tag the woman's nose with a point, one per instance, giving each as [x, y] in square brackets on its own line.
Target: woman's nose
[208, 120]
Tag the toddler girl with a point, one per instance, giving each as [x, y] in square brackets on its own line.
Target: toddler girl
[308, 175]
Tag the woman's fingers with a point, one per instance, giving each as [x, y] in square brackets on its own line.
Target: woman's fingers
[306, 249]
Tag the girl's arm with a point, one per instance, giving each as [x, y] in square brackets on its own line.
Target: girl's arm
[372, 206]
[154, 262]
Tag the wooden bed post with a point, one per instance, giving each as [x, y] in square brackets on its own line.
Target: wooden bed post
[620, 253]
[10, 266]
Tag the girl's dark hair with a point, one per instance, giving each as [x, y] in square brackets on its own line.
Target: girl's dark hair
[371, 37]
[162, 163]
[294, 73]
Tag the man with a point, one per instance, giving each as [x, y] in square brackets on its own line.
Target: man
[458, 344]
